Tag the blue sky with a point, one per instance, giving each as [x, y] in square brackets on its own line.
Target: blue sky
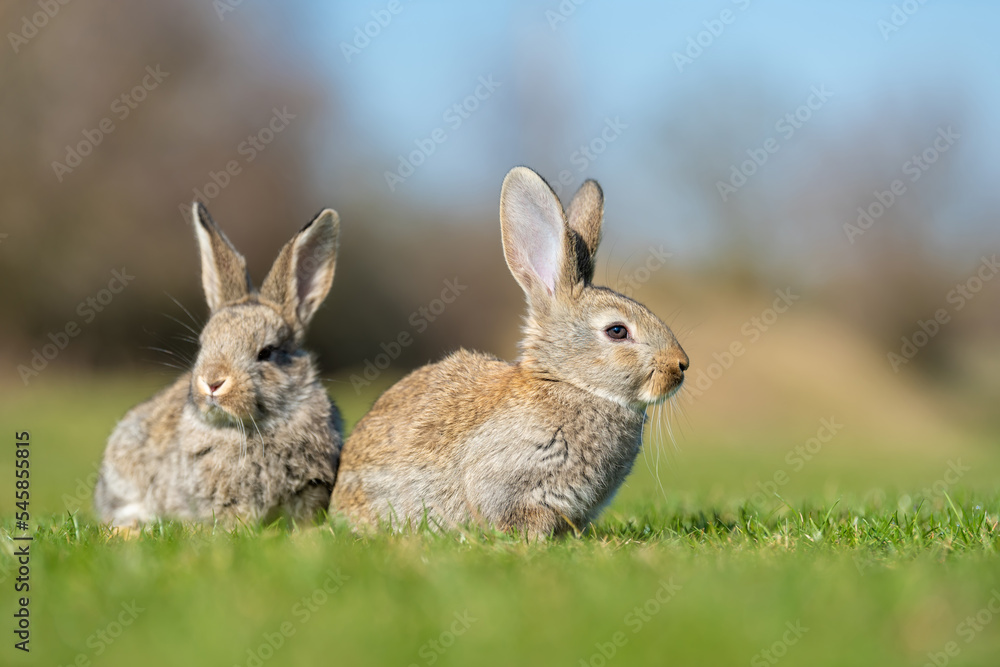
[615, 60]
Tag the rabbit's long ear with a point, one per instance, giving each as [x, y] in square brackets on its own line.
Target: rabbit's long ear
[303, 273]
[536, 239]
[585, 215]
[223, 270]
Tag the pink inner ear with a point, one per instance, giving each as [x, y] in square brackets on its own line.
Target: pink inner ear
[542, 244]
[307, 267]
[534, 230]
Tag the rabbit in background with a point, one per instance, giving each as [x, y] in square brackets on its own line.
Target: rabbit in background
[249, 433]
[540, 445]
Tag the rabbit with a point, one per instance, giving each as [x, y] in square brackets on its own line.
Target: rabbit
[248, 434]
[539, 446]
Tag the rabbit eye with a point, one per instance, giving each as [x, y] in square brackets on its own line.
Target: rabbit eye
[617, 332]
[266, 353]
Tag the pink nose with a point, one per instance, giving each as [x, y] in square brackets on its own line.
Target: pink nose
[214, 386]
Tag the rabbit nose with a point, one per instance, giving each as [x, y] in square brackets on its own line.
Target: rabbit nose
[684, 363]
[677, 362]
[215, 387]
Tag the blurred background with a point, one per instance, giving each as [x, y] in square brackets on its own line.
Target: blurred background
[839, 154]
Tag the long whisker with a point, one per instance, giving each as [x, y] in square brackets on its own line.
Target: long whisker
[254, 421]
[183, 324]
[653, 464]
[182, 357]
[168, 364]
[670, 427]
[683, 397]
[659, 448]
[644, 444]
[607, 265]
[243, 442]
[267, 484]
[188, 312]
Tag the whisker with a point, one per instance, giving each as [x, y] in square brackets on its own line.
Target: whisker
[669, 407]
[182, 357]
[618, 280]
[243, 442]
[607, 265]
[183, 324]
[659, 449]
[258, 434]
[188, 312]
[682, 397]
[168, 364]
[644, 444]
[267, 483]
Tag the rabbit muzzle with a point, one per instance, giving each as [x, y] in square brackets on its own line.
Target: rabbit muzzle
[667, 375]
[221, 393]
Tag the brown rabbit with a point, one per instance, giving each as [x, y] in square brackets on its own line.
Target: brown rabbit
[540, 445]
[249, 432]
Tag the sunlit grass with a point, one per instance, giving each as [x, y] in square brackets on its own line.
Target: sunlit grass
[858, 546]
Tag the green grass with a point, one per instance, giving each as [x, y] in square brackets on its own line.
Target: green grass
[878, 571]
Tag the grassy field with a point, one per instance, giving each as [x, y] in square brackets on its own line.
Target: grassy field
[866, 555]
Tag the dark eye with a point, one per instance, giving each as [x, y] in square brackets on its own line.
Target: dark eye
[617, 332]
[266, 353]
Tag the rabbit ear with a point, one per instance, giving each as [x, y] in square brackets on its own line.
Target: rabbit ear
[536, 242]
[585, 215]
[303, 273]
[223, 270]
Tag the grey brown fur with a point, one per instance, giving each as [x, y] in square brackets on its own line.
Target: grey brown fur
[249, 433]
[540, 445]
